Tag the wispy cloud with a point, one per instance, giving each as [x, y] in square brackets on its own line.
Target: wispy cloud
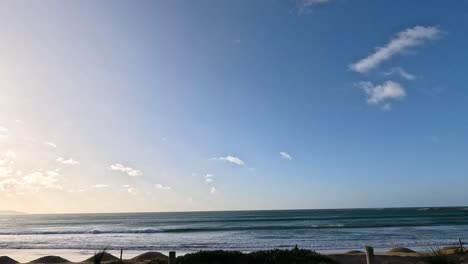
[9, 184]
[122, 168]
[13, 179]
[76, 190]
[50, 144]
[130, 189]
[99, 186]
[7, 162]
[380, 94]
[285, 156]
[405, 39]
[212, 189]
[69, 161]
[209, 178]
[162, 187]
[47, 179]
[400, 72]
[306, 5]
[231, 159]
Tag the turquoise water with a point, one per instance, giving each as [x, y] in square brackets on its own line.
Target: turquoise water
[238, 230]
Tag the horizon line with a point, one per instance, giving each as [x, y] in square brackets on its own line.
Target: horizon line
[17, 213]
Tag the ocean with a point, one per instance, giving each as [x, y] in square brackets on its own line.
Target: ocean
[321, 230]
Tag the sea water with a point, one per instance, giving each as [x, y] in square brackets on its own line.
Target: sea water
[321, 230]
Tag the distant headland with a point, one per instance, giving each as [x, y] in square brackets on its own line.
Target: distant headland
[10, 213]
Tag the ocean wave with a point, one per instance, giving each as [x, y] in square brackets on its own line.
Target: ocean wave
[82, 232]
[231, 229]
[209, 245]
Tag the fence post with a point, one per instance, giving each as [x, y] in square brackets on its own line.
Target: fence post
[121, 253]
[369, 254]
[461, 245]
[172, 256]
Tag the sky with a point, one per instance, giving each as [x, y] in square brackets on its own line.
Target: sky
[176, 105]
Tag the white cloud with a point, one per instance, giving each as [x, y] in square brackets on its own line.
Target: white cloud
[306, 4]
[209, 178]
[231, 159]
[48, 179]
[9, 184]
[129, 171]
[50, 144]
[7, 162]
[405, 39]
[379, 94]
[99, 186]
[130, 189]
[8, 157]
[285, 156]
[12, 177]
[401, 72]
[162, 187]
[67, 161]
[212, 189]
[15, 181]
[313, 2]
[76, 191]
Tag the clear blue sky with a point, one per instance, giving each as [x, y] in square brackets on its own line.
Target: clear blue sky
[283, 104]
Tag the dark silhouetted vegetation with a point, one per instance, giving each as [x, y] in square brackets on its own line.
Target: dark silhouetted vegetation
[156, 260]
[438, 256]
[102, 256]
[294, 256]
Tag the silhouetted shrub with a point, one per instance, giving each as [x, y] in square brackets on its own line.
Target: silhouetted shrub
[213, 257]
[101, 256]
[437, 256]
[294, 256]
[156, 260]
